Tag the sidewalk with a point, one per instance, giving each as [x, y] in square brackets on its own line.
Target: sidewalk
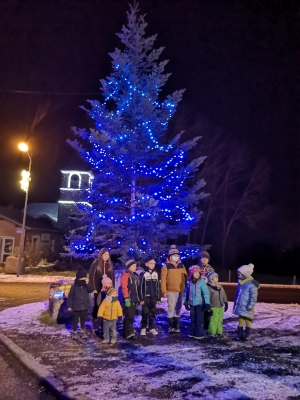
[169, 366]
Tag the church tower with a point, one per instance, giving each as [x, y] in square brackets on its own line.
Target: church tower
[72, 192]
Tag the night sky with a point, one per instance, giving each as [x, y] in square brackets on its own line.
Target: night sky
[238, 60]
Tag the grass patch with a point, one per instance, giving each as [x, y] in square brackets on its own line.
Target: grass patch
[45, 319]
[55, 273]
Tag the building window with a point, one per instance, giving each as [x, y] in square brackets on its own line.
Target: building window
[6, 248]
[74, 181]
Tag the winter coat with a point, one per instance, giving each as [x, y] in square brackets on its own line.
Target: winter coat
[110, 309]
[205, 271]
[78, 298]
[196, 293]
[149, 285]
[95, 276]
[217, 295]
[173, 277]
[129, 284]
[245, 298]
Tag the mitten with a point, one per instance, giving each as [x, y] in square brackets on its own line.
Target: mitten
[225, 306]
[187, 306]
[210, 312]
[206, 307]
[120, 319]
[127, 303]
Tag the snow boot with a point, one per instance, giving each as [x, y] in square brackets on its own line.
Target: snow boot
[74, 336]
[176, 325]
[170, 322]
[248, 334]
[240, 333]
[83, 334]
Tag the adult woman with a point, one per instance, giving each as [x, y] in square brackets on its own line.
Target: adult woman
[100, 267]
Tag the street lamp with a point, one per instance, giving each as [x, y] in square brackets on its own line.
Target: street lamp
[25, 186]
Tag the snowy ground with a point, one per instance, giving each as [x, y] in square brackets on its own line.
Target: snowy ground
[171, 367]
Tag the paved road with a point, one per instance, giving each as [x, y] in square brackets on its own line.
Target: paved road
[17, 382]
[15, 294]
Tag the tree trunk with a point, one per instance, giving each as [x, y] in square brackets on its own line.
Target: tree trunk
[132, 210]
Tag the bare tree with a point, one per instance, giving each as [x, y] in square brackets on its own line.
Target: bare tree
[243, 197]
[236, 185]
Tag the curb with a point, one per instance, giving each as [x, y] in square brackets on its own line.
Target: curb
[45, 377]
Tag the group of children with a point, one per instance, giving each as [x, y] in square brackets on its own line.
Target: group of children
[199, 291]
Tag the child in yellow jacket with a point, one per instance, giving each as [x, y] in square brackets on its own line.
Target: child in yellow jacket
[110, 310]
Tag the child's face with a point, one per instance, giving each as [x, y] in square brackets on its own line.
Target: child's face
[215, 280]
[204, 260]
[150, 264]
[175, 258]
[240, 275]
[105, 256]
[196, 275]
[132, 268]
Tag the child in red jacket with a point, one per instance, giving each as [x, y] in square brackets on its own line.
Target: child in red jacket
[129, 283]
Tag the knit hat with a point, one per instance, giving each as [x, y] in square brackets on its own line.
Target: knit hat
[112, 292]
[81, 273]
[204, 254]
[149, 258]
[246, 270]
[106, 281]
[211, 275]
[173, 250]
[193, 269]
[129, 263]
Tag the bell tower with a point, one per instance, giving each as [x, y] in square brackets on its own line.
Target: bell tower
[74, 184]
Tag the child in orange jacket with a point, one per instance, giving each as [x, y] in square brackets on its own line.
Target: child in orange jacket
[173, 281]
[129, 283]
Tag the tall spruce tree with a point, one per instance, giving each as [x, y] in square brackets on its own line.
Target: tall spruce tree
[142, 193]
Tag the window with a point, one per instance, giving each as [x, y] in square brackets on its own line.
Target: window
[6, 248]
[74, 181]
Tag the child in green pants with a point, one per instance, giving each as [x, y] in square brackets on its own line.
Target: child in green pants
[218, 299]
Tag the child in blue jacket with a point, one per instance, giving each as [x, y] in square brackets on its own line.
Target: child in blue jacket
[196, 299]
[245, 300]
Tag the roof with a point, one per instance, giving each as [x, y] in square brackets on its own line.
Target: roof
[16, 216]
[37, 210]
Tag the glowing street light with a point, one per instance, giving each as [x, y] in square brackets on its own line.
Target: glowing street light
[23, 147]
[25, 180]
[25, 186]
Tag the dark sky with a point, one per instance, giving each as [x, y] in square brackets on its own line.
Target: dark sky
[238, 60]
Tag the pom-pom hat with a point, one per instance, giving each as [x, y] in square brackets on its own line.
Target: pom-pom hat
[193, 269]
[106, 281]
[173, 250]
[246, 270]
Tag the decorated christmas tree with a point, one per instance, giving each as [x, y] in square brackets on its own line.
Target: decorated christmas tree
[143, 192]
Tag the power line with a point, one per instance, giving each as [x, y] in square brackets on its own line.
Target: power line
[51, 93]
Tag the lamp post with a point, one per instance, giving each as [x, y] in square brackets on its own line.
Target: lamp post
[25, 186]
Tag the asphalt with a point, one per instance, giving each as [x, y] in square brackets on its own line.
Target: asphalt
[17, 382]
